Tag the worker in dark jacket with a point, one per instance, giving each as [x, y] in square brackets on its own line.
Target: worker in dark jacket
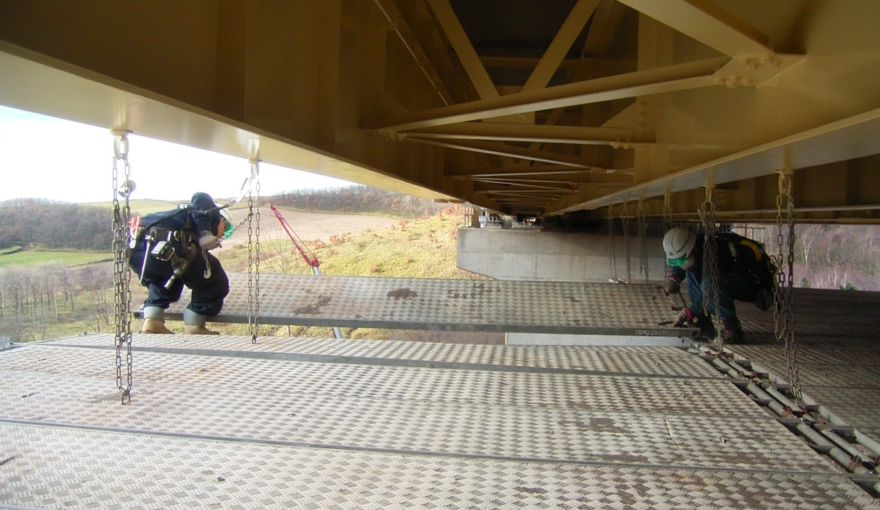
[170, 251]
[743, 275]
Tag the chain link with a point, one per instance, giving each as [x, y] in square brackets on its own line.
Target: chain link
[121, 272]
[250, 264]
[625, 220]
[782, 317]
[667, 222]
[254, 254]
[642, 245]
[257, 267]
[710, 260]
[613, 260]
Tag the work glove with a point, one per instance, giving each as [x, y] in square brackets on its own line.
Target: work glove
[670, 286]
[208, 241]
[683, 318]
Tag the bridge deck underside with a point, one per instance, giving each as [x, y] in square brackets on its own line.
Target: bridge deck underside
[452, 305]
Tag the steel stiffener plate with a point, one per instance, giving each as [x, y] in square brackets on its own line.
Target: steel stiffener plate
[68, 468]
[660, 360]
[437, 304]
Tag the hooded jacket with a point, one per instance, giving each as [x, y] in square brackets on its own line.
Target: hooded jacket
[201, 215]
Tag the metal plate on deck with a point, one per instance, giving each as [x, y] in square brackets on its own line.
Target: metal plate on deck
[466, 305]
[67, 468]
[440, 412]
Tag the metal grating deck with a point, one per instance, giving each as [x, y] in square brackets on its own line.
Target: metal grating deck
[322, 423]
[452, 305]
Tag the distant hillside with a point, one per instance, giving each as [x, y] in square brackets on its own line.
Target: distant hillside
[358, 199]
[56, 225]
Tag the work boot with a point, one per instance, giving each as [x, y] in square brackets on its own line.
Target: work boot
[707, 329]
[154, 321]
[194, 324]
[198, 329]
[732, 332]
[155, 326]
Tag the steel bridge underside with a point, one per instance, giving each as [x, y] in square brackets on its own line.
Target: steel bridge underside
[549, 109]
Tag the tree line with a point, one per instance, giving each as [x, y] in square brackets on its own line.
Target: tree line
[828, 256]
[358, 199]
[54, 225]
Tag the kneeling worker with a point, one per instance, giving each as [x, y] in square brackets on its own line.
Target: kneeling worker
[745, 273]
[171, 251]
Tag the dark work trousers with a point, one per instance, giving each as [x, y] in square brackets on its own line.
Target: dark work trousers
[731, 288]
[207, 292]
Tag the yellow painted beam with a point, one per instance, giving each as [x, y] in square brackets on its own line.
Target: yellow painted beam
[527, 133]
[707, 23]
[672, 78]
[500, 149]
[606, 19]
[463, 48]
[561, 45]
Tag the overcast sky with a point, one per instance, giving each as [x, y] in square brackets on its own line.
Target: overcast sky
[45, 157]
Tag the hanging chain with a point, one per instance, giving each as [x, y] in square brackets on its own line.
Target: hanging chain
[121, 272]
[782, 318]
[710, 259]
[625, 219]
[257, 262]
[642, 245]
[667, 221]
[250, 262]
[613, 260]
[254, 253]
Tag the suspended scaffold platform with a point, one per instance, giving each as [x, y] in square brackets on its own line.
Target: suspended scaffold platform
[632, 309]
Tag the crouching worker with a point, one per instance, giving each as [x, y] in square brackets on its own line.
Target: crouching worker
[745, 273]
[170, 251]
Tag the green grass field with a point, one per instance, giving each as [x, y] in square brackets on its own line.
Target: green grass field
[36, 257]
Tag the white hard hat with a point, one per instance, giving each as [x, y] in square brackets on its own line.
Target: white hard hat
[678, 243]
[230, 228]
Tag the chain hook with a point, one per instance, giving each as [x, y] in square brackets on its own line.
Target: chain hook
[120, 144]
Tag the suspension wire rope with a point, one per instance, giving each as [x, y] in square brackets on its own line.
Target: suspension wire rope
[625, 219]
[253, 220]
[710, 257]
[641, 244]
[308, 256]
[121, 273]
[782, 318]
[613, 259]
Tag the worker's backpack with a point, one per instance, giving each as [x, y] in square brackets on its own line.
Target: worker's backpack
[765, 275]
[760, 276]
